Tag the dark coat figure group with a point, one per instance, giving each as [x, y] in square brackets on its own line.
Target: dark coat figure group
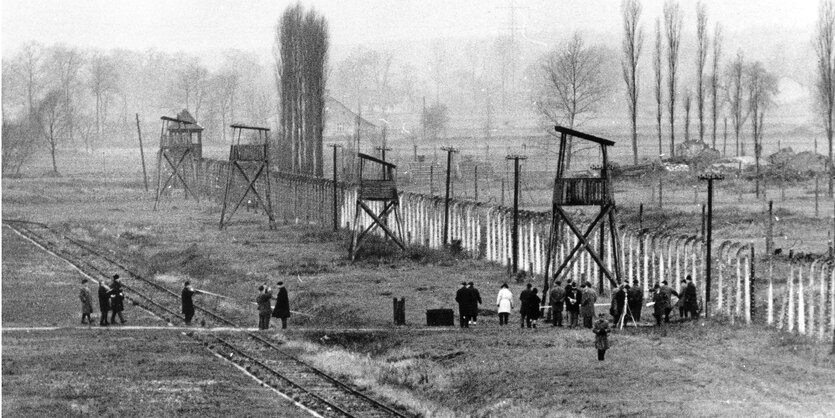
[468, 299]
[111, 299]
[529, 306]
[266, 311]
[688, 301]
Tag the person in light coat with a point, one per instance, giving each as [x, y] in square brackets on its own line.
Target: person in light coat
[504, 301]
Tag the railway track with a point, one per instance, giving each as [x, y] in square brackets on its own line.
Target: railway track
[261, 357]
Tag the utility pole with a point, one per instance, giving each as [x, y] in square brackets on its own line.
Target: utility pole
[710, 177]
[449, 152]
[335, 205]
[141, 153]
[515, 232]
[475, 183]
[382, 150]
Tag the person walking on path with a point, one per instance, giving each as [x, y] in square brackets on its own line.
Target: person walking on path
[104, 302]
[282, 305]
[462, 298]
[188, 301]
[532, 308]
[117, 300]
[557, 298]
[636, 300]
[573, 298]
[523, 305]
[601, 337]
[691, 303]
[504, 302]
[86, 302]
[264, 308]
[475, 300]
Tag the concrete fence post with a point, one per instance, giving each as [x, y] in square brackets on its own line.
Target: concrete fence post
[790, 314]
[801, 304]
[770, 301]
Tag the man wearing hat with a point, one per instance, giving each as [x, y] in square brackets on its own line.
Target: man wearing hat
[86, 302]
[117, 300]
[188, 302]
[282, 305]
[636, 300]
[264, 308]
[104, 302]
[462, 297]
[475, 300]
[667, 294]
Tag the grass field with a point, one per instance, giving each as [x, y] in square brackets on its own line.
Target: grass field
[703, 368]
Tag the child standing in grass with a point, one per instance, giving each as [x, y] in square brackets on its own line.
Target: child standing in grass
[601, 337]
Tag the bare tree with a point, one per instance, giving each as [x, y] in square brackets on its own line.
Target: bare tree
[656, 65]
[29, 63]
[714, 78]
[302, 42]
[762, 87]
[672, 26]
[572, 84]
[18, 143]
[688, 99]
[633, 41]
[103, 82]
[438, 67]
[736, 100]
[51, 123]
[825, 82]
[66, 64]
[701, 58]
[191, 85]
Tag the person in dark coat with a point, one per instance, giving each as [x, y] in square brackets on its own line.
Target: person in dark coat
[635, 296]
[188, 301]
[619, 300]
[86, 302]
[588, 298]
[659, 308]
[264, 308]
[573, 298]
[117, 300]
[523, 305]
[601, 337]
[104, 302]
[475, 300]
[282, 305]
[557, 299]
[462, 298]
[532, 308]
[667, 294]
[691, 302]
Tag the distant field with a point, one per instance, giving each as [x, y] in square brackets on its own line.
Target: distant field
[691, 369]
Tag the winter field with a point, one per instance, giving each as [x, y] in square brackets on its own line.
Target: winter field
[700, 368]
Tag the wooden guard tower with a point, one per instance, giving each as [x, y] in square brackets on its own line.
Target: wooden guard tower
[254, 158]
[584, 191]
[180, 150]
[383, 190]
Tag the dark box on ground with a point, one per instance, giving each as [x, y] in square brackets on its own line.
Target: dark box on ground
[439, 317]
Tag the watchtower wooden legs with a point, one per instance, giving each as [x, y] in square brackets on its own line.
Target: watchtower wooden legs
[234, 168]
[377, 220]
[176, 169]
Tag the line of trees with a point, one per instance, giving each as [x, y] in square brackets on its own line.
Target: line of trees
[59, 97]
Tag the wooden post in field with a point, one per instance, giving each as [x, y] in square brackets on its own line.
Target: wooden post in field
[752, 300]
[475, 183]
[141, 153]
[641, 218]
[660, 194]
[816, 195]
[769, 232]
[709, 241]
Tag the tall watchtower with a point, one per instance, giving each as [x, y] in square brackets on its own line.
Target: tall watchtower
[583, 191]
[178, 159]
[249, 162]
[382, 189]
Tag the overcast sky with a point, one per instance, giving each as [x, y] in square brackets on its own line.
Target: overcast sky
[201, 25]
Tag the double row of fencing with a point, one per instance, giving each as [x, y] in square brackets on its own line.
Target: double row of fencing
[805, 305]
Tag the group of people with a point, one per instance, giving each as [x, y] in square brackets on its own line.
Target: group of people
[578, 302]
[688, 301]
[111, 300]
[265, 309]
[468, 299]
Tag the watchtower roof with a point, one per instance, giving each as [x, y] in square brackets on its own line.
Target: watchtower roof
[186, 123]
[582, 135]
